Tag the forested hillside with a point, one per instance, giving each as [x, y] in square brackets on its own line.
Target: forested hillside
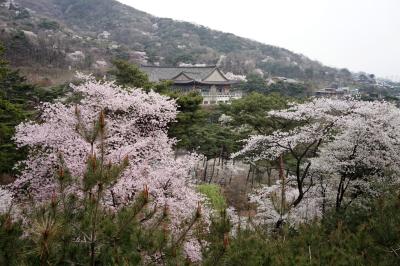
[47, 37]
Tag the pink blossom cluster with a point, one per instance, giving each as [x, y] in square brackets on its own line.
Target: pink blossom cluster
[136, 124]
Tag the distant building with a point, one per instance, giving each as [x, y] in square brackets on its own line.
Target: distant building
[365, 78]
[284, 79]
[336, 92]
[213, 85]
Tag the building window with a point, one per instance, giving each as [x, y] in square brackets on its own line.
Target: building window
[205, 102]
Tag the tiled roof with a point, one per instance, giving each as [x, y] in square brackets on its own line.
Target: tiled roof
[157, 73]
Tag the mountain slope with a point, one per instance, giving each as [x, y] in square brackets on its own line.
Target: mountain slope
[88, 34]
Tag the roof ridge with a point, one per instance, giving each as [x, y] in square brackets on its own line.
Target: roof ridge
[219, 71]
[208, 66]
[182, 73]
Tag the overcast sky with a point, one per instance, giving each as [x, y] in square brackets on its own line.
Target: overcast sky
[361, 35]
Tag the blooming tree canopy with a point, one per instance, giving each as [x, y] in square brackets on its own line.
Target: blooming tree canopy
[343, 147]
[135, 131]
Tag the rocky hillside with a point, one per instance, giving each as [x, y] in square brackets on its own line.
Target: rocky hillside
[53, 38]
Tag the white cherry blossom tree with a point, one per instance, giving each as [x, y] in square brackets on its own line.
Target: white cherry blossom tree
[341, 148]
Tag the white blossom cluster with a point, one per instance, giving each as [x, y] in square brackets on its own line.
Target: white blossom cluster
[5, 200]
[344, 150]
[231, 76]
[268, 212]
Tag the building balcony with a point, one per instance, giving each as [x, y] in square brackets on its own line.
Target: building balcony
[221, 94]
[220, 97]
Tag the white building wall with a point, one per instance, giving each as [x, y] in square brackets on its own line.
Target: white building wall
[209, 99]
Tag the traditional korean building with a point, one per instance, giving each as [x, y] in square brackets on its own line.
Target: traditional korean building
[210, 81]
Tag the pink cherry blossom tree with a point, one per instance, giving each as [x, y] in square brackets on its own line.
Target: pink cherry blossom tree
[133, 129]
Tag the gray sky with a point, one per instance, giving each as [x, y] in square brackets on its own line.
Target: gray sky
[361, 35]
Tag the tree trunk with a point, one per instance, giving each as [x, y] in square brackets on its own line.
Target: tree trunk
[213, 169]
[248, 174]
[205, 171]
[269, 172]
[283, 193]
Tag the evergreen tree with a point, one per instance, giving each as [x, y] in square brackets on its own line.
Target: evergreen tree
[129, 75]
[16, 102]
[254, 83]
[252, 111]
